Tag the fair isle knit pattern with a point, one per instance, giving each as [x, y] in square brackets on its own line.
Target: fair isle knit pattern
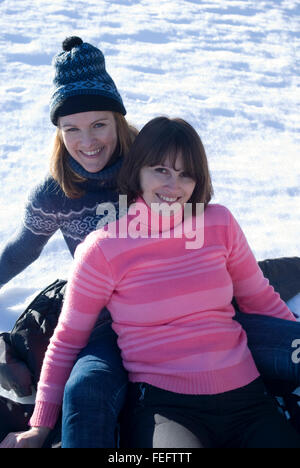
[75, 218]
[49, 210]
[74, 225]
[171, 310]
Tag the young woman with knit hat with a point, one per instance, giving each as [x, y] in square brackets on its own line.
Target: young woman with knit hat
[193, 380]
[67, 200]
[92, 138]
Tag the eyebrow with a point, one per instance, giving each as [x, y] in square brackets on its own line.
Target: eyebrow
[92, 123]
[176, 170]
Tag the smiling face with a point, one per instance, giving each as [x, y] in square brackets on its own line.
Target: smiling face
[167, 163]
[166, 183]
[90, 138]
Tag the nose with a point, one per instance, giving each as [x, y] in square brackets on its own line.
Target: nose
[87, 139]
[173, 183]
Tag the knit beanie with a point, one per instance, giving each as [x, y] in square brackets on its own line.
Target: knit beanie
[81, 82]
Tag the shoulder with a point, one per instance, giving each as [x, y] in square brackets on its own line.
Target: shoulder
[91, 248]
[218, 214]
[46, 194]
[96, 237]
[110, 240]
[47, 187]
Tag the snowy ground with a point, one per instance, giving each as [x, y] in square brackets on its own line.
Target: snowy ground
[229, 67]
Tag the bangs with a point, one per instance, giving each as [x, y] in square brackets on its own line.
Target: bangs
[171, 146]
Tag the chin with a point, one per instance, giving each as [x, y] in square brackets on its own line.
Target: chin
[94, 169]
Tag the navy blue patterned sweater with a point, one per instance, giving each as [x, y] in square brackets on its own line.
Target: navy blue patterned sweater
[48, 209]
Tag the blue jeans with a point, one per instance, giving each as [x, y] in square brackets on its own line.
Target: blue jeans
[96, 390]
[270, 342]
[95, 393]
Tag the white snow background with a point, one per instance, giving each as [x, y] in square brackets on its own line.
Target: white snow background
[229, 67]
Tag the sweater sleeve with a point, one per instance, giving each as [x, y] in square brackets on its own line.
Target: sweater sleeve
[89, 289]
[39, 224]
[19, 253]
[252, 290]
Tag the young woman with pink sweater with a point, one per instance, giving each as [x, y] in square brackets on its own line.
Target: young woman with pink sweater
[167, 272]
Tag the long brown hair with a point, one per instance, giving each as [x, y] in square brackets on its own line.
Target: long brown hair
[161, 138]
[60, 170]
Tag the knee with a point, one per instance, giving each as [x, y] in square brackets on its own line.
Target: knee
[170, 434]
[99, 388]
[78, 387]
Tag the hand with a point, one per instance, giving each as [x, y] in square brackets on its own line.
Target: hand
[33, 438]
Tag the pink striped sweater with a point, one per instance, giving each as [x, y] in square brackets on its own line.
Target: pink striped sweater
[171, 309]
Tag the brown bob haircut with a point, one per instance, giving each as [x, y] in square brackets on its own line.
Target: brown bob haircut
[69, 181]
[160, 138]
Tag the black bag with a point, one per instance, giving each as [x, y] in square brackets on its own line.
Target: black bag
[32, 331]
[283, 274]
[21, 356]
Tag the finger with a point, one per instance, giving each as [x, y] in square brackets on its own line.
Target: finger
[4, 443]
[21, 443]
[8, 442]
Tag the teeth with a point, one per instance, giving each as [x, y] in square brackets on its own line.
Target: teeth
[168, 199]
[91, 153]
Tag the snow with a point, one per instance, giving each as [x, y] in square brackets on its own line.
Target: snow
[229, 67]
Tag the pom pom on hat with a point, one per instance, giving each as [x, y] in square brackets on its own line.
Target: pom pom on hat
[81, 82]
[71, 42]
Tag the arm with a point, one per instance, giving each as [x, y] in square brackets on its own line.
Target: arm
[39, 224]
[89, 289]
[19, 253]
[251, 289]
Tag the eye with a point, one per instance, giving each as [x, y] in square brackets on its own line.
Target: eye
[161, 170]
[99, 125]
[186, 175]
[71, 129]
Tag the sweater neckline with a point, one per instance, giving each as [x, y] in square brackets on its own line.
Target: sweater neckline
[152, 221]
[107, 174]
